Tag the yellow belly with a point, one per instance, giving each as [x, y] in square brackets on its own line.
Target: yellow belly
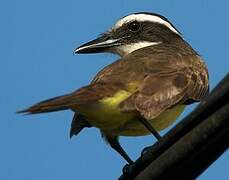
[105, 114]
[164, 120]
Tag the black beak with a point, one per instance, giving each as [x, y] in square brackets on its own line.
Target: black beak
[101, 44]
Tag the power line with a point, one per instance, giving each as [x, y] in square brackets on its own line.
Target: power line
[192, 145]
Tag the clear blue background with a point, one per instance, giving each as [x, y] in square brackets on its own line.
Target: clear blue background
[36, 62]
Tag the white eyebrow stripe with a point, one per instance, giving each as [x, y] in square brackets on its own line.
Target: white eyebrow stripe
[145, 17]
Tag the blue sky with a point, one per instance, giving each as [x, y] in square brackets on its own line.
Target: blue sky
[37, 40]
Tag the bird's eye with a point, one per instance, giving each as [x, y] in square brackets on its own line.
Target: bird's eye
[134, 26]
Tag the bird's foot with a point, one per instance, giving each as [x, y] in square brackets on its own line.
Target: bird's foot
[145, 150]
[127, 169]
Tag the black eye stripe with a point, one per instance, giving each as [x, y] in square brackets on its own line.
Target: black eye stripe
[134, 26]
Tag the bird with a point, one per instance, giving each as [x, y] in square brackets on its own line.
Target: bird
[144, 91]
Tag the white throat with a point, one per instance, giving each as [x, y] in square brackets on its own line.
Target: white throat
[124, 50]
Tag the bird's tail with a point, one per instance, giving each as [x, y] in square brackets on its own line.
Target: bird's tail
[49, 105]
[84, 95]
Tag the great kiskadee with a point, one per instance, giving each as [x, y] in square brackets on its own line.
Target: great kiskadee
[144, 91]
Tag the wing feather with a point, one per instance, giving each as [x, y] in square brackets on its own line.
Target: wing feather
[161, 91]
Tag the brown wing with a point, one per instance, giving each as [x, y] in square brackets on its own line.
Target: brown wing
[169, 79]
[165, 76]
[161, 91]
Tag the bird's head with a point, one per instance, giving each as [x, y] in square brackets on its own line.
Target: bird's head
[132, 32]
